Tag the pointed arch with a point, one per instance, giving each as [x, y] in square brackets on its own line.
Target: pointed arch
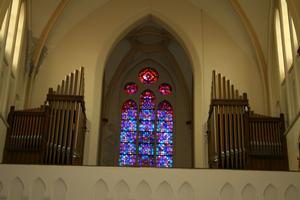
[16, 189]
[38, 189]
[164, 191]
[60, 190]
[271, 192]
[128, 133]
[128, 65]
[164, 134]
[143, 191]
[186, 192]
[122, 190]
[101, 190]
[227, 192]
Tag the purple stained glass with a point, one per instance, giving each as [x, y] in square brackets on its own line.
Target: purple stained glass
[147, 114]
[128, 137]
[146, 149]
[147, 105]
[164, 161]
[146, 137]
[147, 100]
[128, 125]
[127, 160]
[165, 89]
[165, 115]
[146, 161]
[164, 126]
[127, 148]
[129, 114]
[164, 138]
[164, 149]
[128, 134]
[148, 75]
[131, 88]
[146, 126]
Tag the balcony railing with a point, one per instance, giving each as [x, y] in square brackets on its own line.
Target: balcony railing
[20, 182]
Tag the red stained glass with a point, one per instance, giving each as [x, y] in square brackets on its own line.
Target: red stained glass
[129, 105]
[165, 105]
[131, 88]
[165, 89]
[148, 75]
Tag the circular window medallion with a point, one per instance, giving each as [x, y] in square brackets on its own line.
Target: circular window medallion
[148, 75]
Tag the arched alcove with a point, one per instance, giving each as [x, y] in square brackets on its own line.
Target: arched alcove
[16, 189]
[147, 45]
[38, 189]
[60, 189]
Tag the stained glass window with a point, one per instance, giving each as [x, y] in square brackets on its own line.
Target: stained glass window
[146, 136]
[131, 88]
[165, 89]
[146, 129]
[148, 75]
[128, 134]
[164, 135]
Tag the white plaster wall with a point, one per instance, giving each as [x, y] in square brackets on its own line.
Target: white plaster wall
[293, 136]
[3, 129]
[114, 183]
[208, 46]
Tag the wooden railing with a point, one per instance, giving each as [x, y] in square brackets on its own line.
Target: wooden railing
[53, 134]
[238, 138]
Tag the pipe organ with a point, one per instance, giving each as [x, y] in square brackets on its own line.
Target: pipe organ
[239, 138]
[54, 133]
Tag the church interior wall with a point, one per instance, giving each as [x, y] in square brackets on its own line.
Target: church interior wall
[207, 43]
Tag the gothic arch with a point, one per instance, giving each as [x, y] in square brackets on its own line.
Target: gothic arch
[138, 53]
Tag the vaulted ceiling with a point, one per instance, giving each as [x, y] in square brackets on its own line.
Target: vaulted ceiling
[257, 12]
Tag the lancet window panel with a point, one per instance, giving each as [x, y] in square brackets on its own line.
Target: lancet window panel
[146, 128]
[128, 134]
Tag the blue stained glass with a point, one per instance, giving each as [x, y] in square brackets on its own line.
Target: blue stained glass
[163, 126]
[128, 136]
[147, 114]
[164, 138]
[147, 100]
[147, 105]
[146, 126]
[146, 137]
[128, 125]
[146, 149]
[127, 160]
[146, 161]
[129, 114]
[127, 148]
[164, 149]
[165, 115]
[164, 161]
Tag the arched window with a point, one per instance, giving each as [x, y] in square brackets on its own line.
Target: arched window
[148, 141]
[128, 134]
[287, 46]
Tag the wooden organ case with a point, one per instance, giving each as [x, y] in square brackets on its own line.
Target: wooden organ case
[53, 133]
[237, 137]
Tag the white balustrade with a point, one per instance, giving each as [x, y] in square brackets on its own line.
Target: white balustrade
[27, 182]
